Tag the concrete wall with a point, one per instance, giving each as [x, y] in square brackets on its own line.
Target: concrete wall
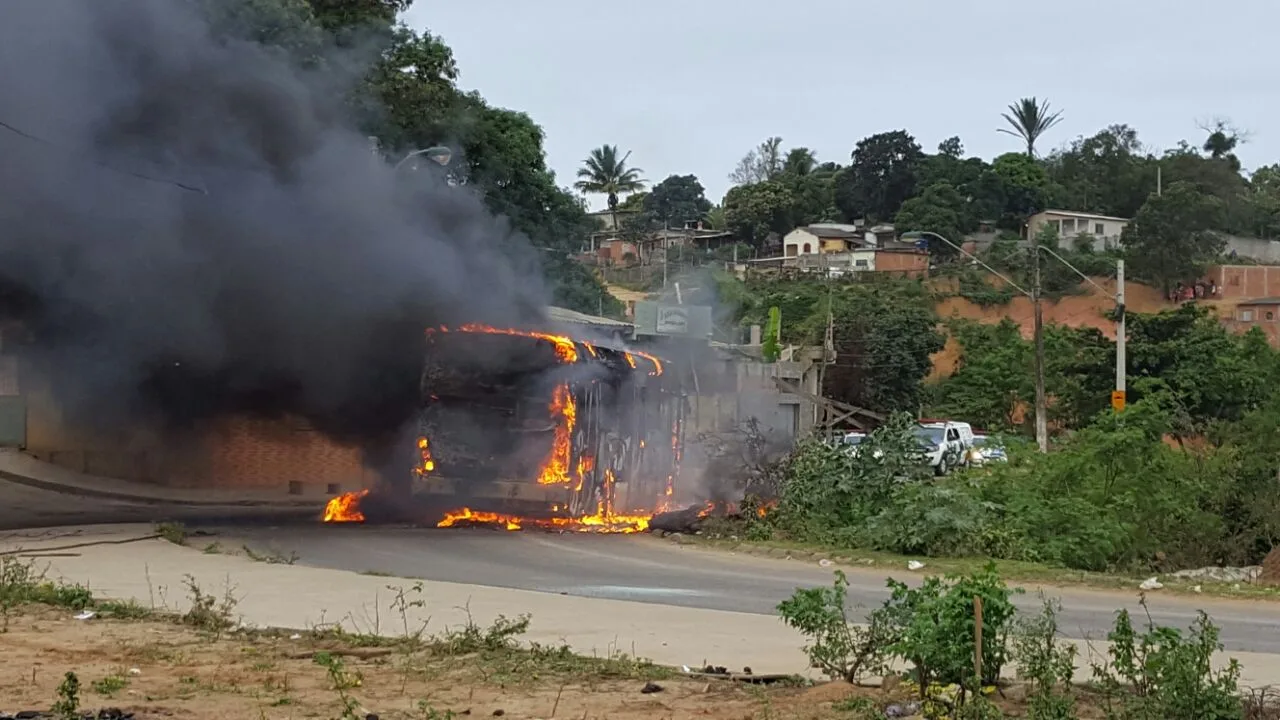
[1264, 251]
[741, 389]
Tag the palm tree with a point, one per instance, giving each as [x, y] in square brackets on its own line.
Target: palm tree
[1030, 119]
[604, 173]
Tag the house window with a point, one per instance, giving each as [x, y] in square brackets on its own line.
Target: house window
[1068, 225]
[1246, 316]
[1099, 229]
[806, 248]
[861, 263]
[1271, 315]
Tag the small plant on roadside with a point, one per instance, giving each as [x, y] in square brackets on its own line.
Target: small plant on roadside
[1046, 664]
[403, 602]
[21, 582]
[175, 533]
[109, 685]
[208, 613]
[270, 557]
[342, 681]
[426, 711]
[933, 629]
[67, 706]
[859, 708]
[1159, 674]
[835, 646]
[502, 634]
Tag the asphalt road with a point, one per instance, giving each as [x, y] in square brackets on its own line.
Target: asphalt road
[647, 569]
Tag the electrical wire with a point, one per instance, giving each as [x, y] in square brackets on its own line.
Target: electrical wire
[140, 176]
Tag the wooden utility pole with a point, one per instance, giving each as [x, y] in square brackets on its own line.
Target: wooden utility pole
[1042, 422]
[977, 642]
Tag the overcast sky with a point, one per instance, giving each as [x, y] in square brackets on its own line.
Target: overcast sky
[688, 86]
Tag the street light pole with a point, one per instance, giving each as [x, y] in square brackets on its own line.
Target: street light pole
[441, 155]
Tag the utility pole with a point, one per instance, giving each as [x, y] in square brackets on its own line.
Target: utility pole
[1118, 397]
[1042, 421]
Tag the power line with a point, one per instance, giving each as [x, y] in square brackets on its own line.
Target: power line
[141, 176]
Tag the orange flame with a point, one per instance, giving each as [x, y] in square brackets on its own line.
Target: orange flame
[598, 523]
[555, 471]
[345, 507]
[427, 464]
[657, 364]
[486, 518]
[586, 464]
[631, 360]
[566, 349]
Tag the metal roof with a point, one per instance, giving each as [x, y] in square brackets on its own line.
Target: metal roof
[565, 315]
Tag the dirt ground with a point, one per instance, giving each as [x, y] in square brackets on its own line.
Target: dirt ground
[161, 669]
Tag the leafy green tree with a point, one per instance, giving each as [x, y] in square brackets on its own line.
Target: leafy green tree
[1109, 173]
[1028, 120]
[884, 337]
[605, 173]
[755, 212]
[993, 378]
[677, 200]
[1025, 185]
[881, 176]
[939, 209]
[1171, 239]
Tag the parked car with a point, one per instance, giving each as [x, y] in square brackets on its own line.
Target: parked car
[986, 450]
[853, 444]
[945, 444]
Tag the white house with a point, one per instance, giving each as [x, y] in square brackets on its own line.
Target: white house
[1070, 225]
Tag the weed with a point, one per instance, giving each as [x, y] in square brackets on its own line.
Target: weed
[175, 533]
[1160, 675]
[21, 582]
[836, 647]
[271, 557]
[405, 600]
[109, 685]
[860, 708]
[67, 706]
[122, 609]
[342, 681]
[213, 548]
[427, 712]
[208, 613]
[470, 638]
[1048, 665]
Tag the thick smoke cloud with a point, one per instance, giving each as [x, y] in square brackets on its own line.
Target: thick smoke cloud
[295, 278]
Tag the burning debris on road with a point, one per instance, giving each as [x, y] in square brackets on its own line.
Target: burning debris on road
[589, 437]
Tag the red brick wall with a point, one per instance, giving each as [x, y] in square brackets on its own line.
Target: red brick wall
[266, 455]
[1246, 282]
[910, 264]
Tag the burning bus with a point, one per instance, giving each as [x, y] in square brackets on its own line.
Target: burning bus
[522, 429]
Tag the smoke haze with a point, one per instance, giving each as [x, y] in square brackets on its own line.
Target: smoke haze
[271, 265]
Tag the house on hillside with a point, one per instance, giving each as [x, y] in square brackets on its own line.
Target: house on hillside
[1070, 225]
[826, 238]
[1261, 313]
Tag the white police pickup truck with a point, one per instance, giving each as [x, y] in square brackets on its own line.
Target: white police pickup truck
[945, 444]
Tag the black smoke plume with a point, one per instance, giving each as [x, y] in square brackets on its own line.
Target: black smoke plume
[190, 228]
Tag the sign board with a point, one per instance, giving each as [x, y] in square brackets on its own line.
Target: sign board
[1117, 400]
[692, 321]
[672, 320]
